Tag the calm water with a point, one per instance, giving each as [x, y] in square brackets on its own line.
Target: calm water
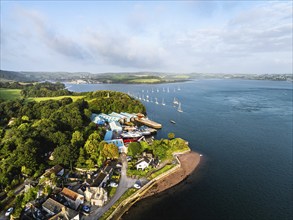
[243, 129]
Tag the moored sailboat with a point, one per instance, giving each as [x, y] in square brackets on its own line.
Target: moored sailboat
[179, 107]
[175, 101]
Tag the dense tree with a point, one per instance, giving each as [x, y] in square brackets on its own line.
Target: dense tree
[61, 155]
[81, 159]
[92, 144]
[134, 149]
[110, 151]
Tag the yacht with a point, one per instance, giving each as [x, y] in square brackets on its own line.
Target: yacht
[173, 122]
[163, 103]
[179, 107]
[156, 101]
[175, 101]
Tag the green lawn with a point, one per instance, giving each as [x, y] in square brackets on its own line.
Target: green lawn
[163, 170]
[145, 81]
[9, 94]
[39, 99]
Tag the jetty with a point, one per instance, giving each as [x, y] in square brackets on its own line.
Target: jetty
[143, 120]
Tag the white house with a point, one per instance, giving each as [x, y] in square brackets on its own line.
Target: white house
[143, 163]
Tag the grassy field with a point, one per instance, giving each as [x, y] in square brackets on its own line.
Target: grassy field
[12, 94]
[9, 94]
[145, 81]
[39, 99]
[181, 76]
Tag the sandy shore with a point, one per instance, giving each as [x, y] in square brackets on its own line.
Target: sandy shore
[189, 161]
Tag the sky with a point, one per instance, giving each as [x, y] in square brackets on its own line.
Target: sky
[158, 36]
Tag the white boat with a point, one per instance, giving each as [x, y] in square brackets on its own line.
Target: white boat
[156, 101]
[179, 107]
[175, 101]
[158, 90]
[178, 88]
[168, 90]
[163, 103]
[131, 134]
[173, 122]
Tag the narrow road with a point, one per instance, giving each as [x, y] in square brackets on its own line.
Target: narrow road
[124, 184]
[17, 191]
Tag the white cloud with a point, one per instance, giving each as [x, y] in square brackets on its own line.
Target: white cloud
[261, 35]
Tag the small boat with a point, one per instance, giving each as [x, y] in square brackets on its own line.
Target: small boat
[179, 107]
[175, 101]
[156, 101]
[163, 103]
[173, 122]
[200, 155]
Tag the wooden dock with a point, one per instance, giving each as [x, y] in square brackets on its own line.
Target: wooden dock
[149, 123]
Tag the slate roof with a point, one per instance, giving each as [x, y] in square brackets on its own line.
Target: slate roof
[53, 205]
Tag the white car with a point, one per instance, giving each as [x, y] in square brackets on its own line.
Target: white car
[137, 186]
[9, 211]
[113, 184]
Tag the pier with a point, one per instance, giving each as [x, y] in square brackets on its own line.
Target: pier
[148, 122]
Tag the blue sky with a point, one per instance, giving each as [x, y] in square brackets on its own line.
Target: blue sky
[164, 36]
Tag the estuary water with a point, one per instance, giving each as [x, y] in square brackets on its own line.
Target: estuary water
[243, 128]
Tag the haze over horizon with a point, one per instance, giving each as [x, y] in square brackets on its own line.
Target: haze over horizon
[191, 36]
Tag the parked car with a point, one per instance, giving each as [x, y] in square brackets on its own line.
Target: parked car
[128, 158]
[119, 164]
[113, 184]
[9, 211]
[137, 186]
[86, 208]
